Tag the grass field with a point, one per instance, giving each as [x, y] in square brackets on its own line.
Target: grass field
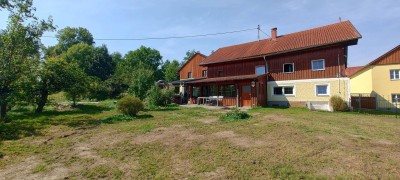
[94, 141]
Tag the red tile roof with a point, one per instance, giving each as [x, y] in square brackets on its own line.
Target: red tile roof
[321, 36]
[228, 78]
[352, 70]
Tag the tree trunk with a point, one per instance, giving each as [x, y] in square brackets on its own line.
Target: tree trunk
[42, 101]
[3, 111]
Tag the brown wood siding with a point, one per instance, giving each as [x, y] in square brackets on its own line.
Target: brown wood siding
[229, 101]
[392, 58]
[193, 66]
[302, 65]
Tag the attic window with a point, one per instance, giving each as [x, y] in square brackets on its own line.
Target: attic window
[189, 74]
[288, 67]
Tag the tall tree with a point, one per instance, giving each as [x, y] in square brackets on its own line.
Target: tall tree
[171, 71]
[82, 54]
[19, 43]
[189, 55]
[103, 65]
[144, 57]
[70, 36]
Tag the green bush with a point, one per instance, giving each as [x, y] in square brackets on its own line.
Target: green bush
[338, 103]
[130, 105]
[235, 114]
[159, 97]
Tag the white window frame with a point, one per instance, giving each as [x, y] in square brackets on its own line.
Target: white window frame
[283, 68]
[394, 74]
[398, 97]
[283, 90]
[312, 67]
[191, 75]
[204, 74]
[255, 69]
[328, 92]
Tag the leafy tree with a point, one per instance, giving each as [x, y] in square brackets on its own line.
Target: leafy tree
[79, 85]
[103, 65]
[189, 55]
[98, 89]
[143, 56]
[116, 57]
[95, 61]
[171, 71]
[142, 80]
[55, 76]
[70, 36]
[82, 54]
[19, 44]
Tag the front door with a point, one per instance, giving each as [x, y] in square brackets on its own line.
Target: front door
[246, 96]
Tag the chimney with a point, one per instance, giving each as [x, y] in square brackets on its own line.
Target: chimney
[274, 33]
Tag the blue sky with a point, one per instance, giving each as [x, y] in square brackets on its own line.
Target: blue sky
[377, 21]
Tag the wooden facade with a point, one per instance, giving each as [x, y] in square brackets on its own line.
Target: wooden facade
[391, 57]
[334, 57]
[257, 95]
[192, 66]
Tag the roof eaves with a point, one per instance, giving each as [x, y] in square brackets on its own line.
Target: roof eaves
[282, 52]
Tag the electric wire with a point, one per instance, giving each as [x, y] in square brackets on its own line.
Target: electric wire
[171, 37]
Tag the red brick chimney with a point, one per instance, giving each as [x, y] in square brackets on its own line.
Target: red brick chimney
[274, 33]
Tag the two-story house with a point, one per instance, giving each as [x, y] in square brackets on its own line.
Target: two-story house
[380, 78]
[190, 71]
[297, 69]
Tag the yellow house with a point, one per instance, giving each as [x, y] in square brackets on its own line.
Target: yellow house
[380, 78]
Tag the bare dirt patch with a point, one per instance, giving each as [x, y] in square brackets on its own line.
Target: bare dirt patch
[276, 118]
[239, 140]
[168, 136]
[208, 120]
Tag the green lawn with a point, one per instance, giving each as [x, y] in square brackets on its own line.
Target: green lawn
[94, 141]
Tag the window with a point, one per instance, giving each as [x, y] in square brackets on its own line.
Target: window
[204, 73]
[220, 73]
[189, 74]
[322, 90]
[196, 91]
[284, 90]
[395, 74]
[288, 68]
[317, 65]
[260, 69]
[395, 98]
[228, 90]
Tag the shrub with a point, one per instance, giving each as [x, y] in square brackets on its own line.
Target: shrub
[235, 114]
[130, 105]
[159, 97]
[338, 104]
